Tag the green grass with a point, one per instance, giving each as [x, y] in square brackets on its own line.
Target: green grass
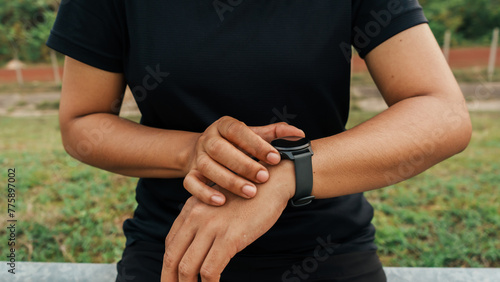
[48, 105]
[475, 74]
[447, 216]
[68, 211]
[29, 87]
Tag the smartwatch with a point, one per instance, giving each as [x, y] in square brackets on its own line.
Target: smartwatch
[298, 150]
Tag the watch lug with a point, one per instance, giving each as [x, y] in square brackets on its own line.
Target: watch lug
[301, 202]
[287, 155]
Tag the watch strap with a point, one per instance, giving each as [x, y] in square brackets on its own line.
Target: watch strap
[303, 179]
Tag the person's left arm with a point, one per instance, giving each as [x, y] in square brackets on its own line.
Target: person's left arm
[427, 121]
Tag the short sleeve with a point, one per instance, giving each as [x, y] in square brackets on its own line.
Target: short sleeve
[375, 21]
[91, 31]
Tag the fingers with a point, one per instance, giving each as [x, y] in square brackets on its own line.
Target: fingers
[205, 255]
[216, 260]
[223, 155]
[277, 130]
[283, 129]
[197, 184]
[242, 136]
[226, 154]
[194, 182]
[188, 243]
[191, 262]
[175, 247]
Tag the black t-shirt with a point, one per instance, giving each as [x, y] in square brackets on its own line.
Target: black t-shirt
[189, 63]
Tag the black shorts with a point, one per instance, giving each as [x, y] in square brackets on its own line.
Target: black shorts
[142, 261]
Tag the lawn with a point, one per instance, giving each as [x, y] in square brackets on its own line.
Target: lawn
[68, 211]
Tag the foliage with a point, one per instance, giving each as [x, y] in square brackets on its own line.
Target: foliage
[68, 211]
[24, 27]
[25, 24]
[470, 21]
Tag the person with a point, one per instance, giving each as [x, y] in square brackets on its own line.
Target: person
[216, 82]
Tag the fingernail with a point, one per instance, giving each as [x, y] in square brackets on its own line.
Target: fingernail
[216, 199]
[273, 158]
[303, 133]
[262, 176]
[249, 190]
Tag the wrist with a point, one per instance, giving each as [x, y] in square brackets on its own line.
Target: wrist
[282, 176]
[298, 149]
[188, 154]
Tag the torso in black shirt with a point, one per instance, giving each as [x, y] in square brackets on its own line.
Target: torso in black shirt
[260, 62]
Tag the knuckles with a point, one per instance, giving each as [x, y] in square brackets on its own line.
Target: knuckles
[202, 139]
[186, 269]
[204, 216]
[203, 163]
[186, 181]
[197, 210]
[189, 182]
[250, 168]
[233, 183]
[232, 128]
[215, 146]
[208, 273]
[225, 119]
[168, 260]
[236, 242]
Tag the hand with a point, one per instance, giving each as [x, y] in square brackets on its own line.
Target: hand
[222, 155]
[204, 238]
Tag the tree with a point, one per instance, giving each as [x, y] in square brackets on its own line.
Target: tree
[471, 21]
[480, 18]
[24, 27]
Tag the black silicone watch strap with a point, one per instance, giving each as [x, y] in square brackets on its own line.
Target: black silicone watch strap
[303, 179]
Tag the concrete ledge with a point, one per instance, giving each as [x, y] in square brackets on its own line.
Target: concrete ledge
[91, 272]
[59, 272]
[441, 274]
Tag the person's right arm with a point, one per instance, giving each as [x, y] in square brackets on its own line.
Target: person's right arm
[93, 133]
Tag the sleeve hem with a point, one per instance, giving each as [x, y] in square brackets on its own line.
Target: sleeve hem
[84, 55]
[398, 25]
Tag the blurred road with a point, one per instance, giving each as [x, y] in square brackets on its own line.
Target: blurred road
[479, 96]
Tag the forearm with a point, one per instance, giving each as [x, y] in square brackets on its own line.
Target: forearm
[401, 142]
[121, 146]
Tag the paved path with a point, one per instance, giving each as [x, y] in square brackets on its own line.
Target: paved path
[480, 97]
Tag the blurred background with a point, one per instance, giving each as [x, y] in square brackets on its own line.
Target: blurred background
[69, 212]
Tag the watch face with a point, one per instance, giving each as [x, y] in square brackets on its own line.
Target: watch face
[290, 143]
